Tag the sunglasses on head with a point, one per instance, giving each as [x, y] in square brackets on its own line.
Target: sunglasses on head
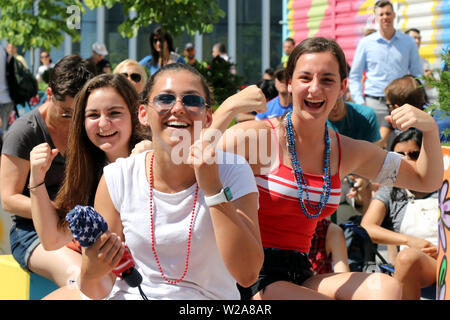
[136, 77]
[413, 155]
[192, 102]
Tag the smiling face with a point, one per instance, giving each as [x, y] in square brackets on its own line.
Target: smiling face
[108, 122]
[179, 120]
[316, 85]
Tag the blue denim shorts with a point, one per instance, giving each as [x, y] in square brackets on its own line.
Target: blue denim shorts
[23, 239]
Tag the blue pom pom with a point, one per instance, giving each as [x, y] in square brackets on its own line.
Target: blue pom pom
[86, 225]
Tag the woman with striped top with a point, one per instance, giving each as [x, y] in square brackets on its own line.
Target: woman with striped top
[298, 164]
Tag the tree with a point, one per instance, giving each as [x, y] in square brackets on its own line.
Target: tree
[174, 16]
[443, 86]
[22, 25]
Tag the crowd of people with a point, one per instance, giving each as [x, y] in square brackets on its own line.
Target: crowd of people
[233, 203]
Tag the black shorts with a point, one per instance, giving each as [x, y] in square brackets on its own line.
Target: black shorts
[279, 265]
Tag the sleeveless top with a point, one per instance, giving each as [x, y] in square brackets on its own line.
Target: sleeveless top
[282, 223]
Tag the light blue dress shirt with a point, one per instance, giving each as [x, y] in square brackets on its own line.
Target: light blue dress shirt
[384, 61]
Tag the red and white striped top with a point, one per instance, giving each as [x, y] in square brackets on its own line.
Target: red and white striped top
[282, 223]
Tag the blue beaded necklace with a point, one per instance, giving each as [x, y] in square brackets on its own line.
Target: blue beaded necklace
[298, 172]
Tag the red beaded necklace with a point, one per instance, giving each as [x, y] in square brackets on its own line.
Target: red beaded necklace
[191, 226]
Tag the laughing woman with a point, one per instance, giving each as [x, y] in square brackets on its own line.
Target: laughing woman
[189, 218]
[104, 128]
[301, 184]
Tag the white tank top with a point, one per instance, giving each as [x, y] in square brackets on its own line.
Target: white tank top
[207, 276]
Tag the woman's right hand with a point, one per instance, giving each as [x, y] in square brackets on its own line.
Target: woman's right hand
[101, 258]
[418, 243]
[247, 100]
[41, 158]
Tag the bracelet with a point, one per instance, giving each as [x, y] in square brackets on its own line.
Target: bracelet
[40, 184]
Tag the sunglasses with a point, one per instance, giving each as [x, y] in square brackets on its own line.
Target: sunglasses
[46, 56]
[413, 155]
[192, 102]
[136, 77]
[155, 40]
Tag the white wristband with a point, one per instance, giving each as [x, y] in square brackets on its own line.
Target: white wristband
[388, 173]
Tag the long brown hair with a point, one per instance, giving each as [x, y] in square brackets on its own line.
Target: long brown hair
[85, 161]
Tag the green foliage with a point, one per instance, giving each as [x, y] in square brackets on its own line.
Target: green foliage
[223, 81]
[174, 16]
[20, 26]
[443, 86]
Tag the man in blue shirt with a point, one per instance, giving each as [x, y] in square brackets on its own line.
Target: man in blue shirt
[280, 105]
[385, 55]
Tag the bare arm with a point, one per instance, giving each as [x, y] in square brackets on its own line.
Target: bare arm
[13, 177]
[372, 220]
[250, 99]
[235, 223]
[335, 244]
[96, 278]
[45, 218]
[372, 223]
[425, 175]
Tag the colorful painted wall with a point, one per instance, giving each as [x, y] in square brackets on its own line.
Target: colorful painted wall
[347, 20]
[442, 275]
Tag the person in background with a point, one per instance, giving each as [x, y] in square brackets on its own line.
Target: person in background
[6, 103]
[133, 71]
[220, 50]
[189, 56]
[408, 90]
[46, 64]
[407, 218]
[161, 55]
[288, 46]
[328, 252]
[281, 104]
[268, 74]
[431, 93]
[385, 55]
[98, 60]
[12, 50]
[49, 123]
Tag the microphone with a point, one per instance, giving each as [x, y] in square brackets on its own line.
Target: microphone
[87, 225]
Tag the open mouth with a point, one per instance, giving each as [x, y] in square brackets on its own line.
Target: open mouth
[315, 104]
[177, 124]
[107, 134]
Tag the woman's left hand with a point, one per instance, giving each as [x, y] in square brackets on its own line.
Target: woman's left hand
[408, 116]
[203, 158]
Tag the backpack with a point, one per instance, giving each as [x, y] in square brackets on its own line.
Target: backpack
[21, 82]
[362, 252]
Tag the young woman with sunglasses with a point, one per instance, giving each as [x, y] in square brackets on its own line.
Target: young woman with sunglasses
[300, 184]
[190, 225]
[104, 127]
[408, 219]
[134, 72]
